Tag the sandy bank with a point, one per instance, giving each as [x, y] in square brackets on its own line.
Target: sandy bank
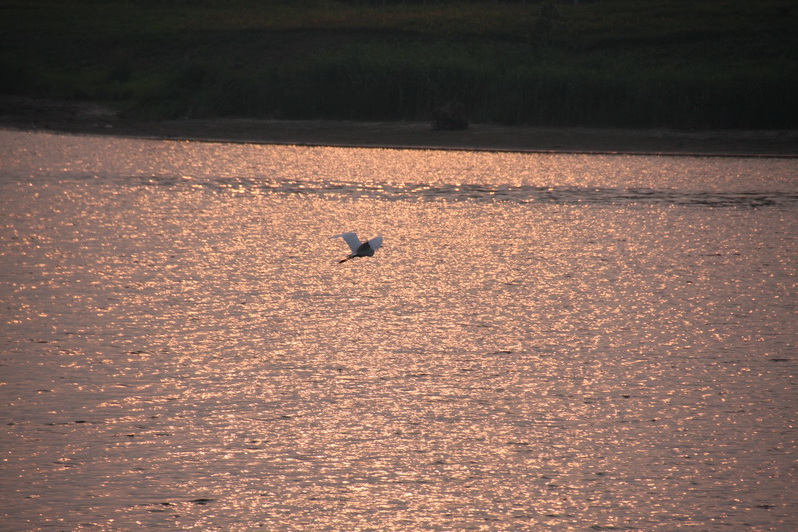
[28, 114]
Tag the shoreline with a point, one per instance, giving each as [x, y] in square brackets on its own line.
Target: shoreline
[30, 115]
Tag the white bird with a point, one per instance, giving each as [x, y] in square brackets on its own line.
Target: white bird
[359, 249]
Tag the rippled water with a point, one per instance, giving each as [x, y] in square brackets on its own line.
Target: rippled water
[544, 342]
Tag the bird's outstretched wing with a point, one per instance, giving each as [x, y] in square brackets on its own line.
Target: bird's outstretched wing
[375, 242]
[351, 239]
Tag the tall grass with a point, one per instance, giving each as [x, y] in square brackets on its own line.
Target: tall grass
[717, 63]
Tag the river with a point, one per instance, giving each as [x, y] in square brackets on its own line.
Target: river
[544, 341]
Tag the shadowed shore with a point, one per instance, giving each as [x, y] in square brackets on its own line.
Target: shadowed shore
[25, 114]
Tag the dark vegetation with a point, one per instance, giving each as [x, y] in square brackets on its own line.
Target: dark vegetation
[620, 63]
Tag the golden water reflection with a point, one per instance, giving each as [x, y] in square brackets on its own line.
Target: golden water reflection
[181, 357]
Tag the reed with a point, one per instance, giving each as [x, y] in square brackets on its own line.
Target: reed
[717, 63]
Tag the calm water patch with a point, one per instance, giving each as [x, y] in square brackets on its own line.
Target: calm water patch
[488, 193]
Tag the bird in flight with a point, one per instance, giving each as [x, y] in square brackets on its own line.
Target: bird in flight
[359, 249]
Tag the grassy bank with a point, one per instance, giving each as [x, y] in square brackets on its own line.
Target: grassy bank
[618, 63]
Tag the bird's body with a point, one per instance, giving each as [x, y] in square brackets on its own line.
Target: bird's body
[359, 249]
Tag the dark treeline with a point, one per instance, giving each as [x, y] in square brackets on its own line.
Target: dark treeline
[624, 63]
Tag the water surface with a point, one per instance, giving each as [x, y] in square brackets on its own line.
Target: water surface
[544, 342]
